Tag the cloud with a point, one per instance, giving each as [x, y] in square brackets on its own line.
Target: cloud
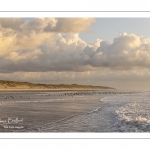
[54, 44]
[15, 34]
[11, 23]
[61, 55]
[68, 52]
[69, 25]
[126, 52]
[58, 24]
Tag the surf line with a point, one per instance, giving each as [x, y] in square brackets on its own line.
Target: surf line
[43, 127]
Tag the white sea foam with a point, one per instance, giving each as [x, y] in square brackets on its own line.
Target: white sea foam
[95, 110]
[122, 113]
[138, 111]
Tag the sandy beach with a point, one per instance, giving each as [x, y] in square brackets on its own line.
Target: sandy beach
[45, 107]
[48, 90]
[74, 111]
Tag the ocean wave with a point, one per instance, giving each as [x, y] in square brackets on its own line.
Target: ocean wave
[136, 113]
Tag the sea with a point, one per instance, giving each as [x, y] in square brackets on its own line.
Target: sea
[75, 111]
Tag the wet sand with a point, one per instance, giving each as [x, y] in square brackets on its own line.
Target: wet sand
[49, 90]
[37, 109]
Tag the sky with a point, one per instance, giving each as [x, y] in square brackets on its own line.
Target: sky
[111, 52]
[108, 28]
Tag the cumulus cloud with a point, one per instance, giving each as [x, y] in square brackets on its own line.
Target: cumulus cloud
[68, 52]
[126, 51]
[15, 34]
[54, 44]
[58, 24]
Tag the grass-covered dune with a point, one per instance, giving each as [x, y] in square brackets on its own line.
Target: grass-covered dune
[26, 85]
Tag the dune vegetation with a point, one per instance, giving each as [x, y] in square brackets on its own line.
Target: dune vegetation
[26, 85]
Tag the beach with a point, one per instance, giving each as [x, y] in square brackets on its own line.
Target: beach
[42, 108]
[74, 111]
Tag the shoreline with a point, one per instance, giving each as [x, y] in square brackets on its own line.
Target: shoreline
[50, 90]
[44, 110]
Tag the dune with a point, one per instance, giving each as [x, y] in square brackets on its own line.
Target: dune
[15, 85]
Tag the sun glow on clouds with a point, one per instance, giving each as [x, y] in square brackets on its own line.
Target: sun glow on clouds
[50, 49]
